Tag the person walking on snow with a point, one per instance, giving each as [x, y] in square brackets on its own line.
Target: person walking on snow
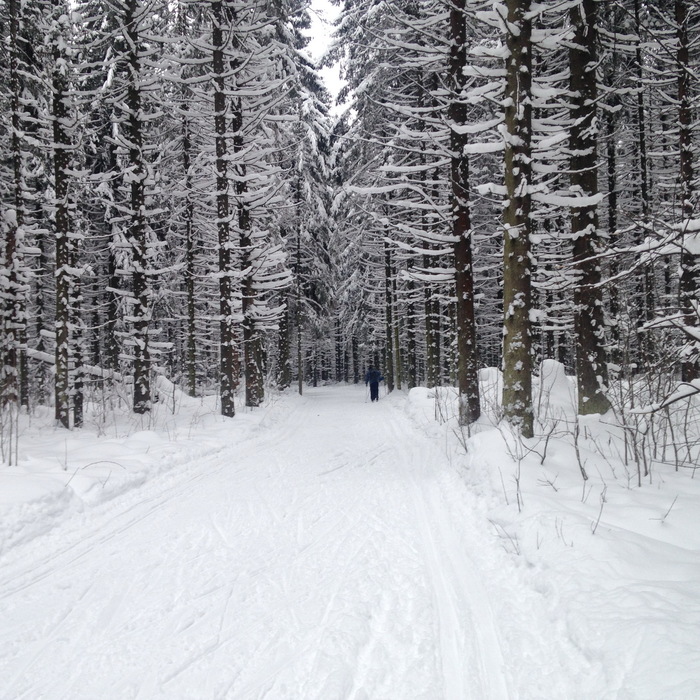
[373, 377]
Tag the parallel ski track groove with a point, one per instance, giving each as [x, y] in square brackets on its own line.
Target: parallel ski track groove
[334, 526]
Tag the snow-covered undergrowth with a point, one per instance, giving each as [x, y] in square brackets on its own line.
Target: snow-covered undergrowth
[59, 473]
[617, 564]
[563, 586]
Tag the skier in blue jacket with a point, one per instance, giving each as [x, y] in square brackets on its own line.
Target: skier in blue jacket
[373, 377]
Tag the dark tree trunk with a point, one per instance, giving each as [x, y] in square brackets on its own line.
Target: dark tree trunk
[13, 311]
[298, 318]
[398, 362]
[389, 318]
[411, 359]
[645, 289]
[517, 266]
[284, 346]
[355, 361]
[611, 135]
[252, 341]
[190, 256]
[64, 242]
[111, 342]
[137, 227]
[432, 332]
[227, 341]
[690, 263]
[339, 353]
[78, 369]
[591, 367]
[467, 359]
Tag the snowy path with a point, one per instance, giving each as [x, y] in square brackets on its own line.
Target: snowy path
[313, 561]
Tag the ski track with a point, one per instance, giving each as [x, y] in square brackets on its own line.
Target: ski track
[314, 561]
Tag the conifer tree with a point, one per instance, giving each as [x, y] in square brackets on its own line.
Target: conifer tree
[467, 358]
[591, 361]
[14, 281]
[223, 21]
[690, 259]
[67, 239]
[517, 268]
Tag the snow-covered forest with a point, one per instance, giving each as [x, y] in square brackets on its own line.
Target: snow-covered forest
[498, 206]
[504, 183]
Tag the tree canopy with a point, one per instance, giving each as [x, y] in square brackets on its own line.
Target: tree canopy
[502, 182]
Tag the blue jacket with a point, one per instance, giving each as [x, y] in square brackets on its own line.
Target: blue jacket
[373, 376]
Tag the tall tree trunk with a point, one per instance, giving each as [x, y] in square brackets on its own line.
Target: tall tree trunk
[411, 359]
[112, 293]
[284, 371]
[298, 316]
[252, 341]
[398, 362]
[64, 238]
[690, 263]
[190, 256]
[227, 339]
[614, 305]
[13, 306]
[432, 309]
[645, 290]
[611, 135]
[78, 340]
[42, 377]
[137, 226]
[339, 354]
[114, 284]
[467, 359]
[355, 360]
[389, 319]
[432, 331]
[591, 367]
[517, 266]
[252, 367]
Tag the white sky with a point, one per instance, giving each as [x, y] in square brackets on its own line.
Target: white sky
[323, 13]
[322, 16]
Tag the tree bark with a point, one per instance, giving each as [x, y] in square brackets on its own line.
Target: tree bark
[411, 359]
[284, 372]
[13, 307]
[690, 263]
[517, 265]
[252, 342]
[190, 256]
[645, 288]
[398, 362]
[389, 320]
[64, 240]
[227, 340]
[137, 227]
[298, 318]
[611, 137]
[432, 331]
[591, 367]
[465, 319]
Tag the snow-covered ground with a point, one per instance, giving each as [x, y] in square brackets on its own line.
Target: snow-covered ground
[327, 548]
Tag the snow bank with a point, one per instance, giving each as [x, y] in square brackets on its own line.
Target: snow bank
[585, 588]
[60, 473]
[614, 567]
